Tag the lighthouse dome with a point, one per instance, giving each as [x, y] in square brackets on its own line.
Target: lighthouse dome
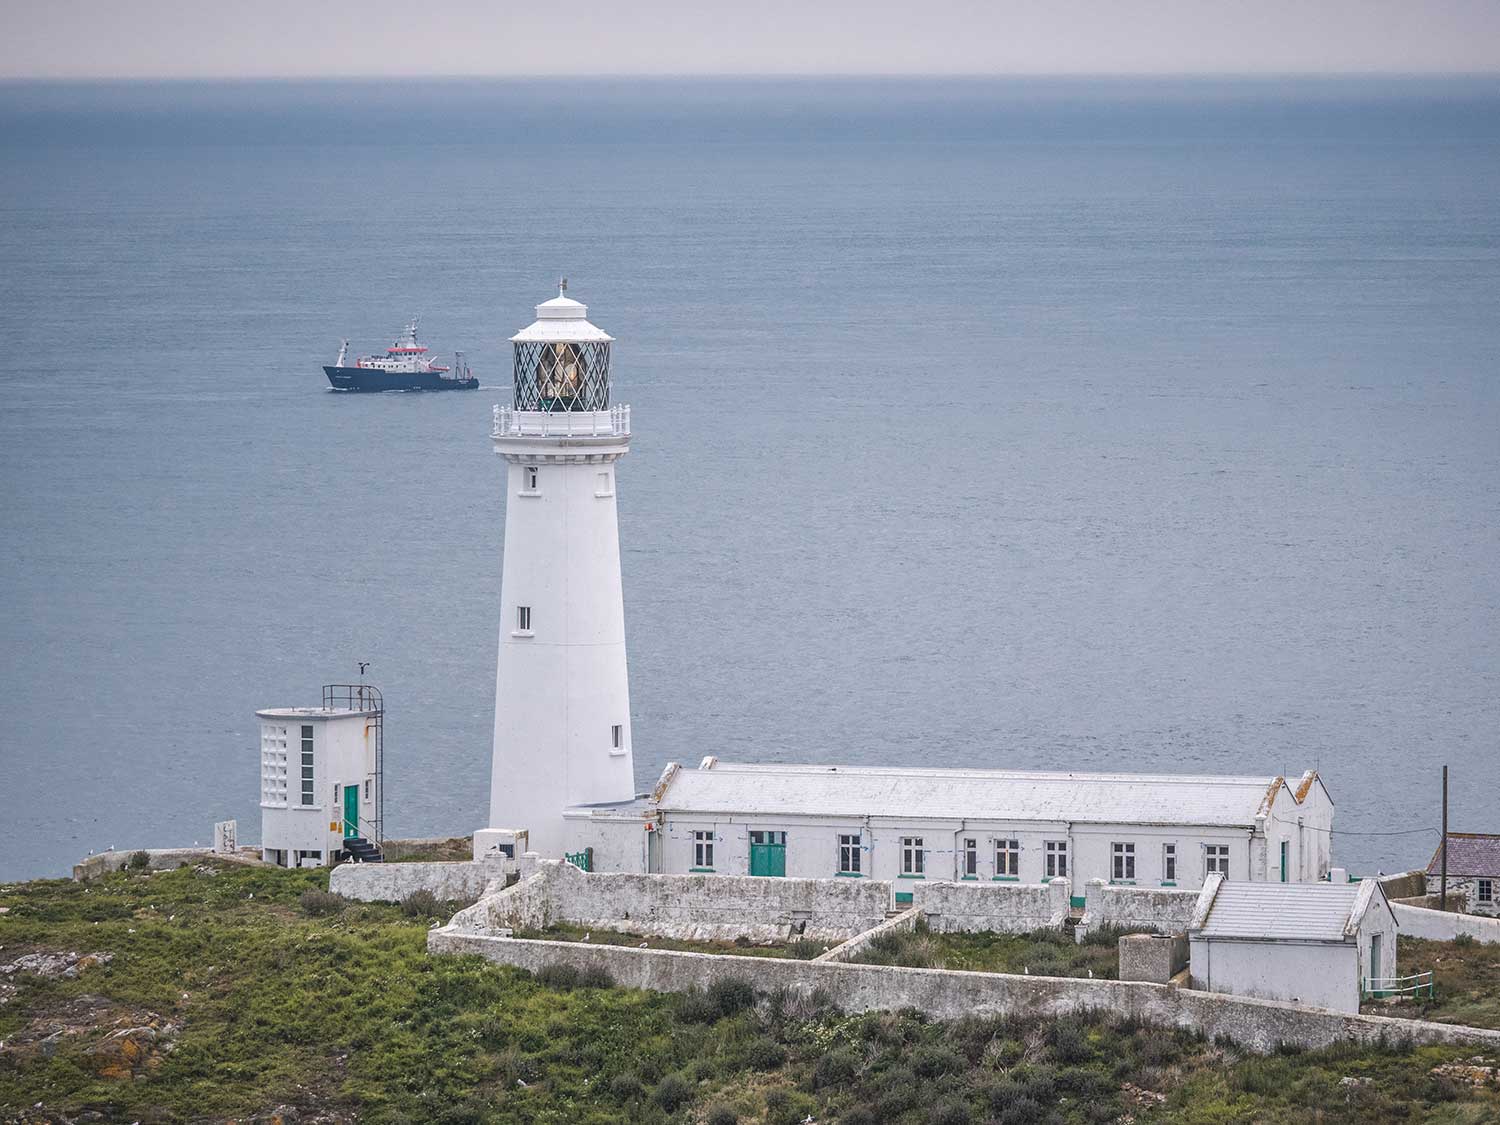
[562, 319]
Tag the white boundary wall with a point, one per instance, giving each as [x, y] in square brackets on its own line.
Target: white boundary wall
[1163, 910]
[1444, 925]
[1002, 908]
[949, 994]
[391, 882]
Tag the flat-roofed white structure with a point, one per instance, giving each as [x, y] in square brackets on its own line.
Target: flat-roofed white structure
[957, 824]
[318, 782]
[1313, 943]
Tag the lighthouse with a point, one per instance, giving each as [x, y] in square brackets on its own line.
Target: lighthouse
[562, 698]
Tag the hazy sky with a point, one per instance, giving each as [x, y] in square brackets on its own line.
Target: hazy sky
[260, 38]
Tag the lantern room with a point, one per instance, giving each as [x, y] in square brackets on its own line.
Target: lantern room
[562, 361]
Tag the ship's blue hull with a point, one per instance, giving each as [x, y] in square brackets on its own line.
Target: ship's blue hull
[370, 379]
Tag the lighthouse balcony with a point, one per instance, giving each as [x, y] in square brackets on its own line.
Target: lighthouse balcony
[613, 422]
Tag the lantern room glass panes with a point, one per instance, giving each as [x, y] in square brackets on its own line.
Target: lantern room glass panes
[555, 377]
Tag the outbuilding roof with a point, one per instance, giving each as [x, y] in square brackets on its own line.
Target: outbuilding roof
[1469, 854]
[1284, 911]
[916, 794]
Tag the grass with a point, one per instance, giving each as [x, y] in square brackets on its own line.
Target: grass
[1466, 976]
[343, 1016]
[800, 950]
[1047, 953]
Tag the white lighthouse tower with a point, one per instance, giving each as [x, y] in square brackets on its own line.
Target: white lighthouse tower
[562, 699]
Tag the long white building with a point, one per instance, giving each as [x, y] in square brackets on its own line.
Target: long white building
[907, 824]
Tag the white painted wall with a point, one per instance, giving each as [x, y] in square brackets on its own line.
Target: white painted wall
[560, 690]
[813, 850]
[1444, 925]
[343, 755]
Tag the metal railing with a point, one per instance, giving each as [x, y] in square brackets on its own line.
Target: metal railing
[510, 422]
[1414, 987]
[583, 860]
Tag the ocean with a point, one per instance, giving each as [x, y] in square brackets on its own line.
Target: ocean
[1062, 424]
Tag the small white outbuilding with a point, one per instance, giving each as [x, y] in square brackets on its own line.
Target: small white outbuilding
[1312, 943]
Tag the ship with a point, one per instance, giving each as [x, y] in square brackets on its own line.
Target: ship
[404, 367]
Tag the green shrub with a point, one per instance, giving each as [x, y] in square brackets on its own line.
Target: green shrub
[595, 976]
[806, 950]
[731, 995]
[786, 1108]
[138, 861]
[950, 1112]
[626, 1087]
[672, 1092]
[321, 904]
[721, 1115]
[859, 1115]
[420, 904]
[694, 1006]
[558, 975]
[933, 1061]
[1463, 941]
[1069, 1040]
[765, 1054]
[836, 1068]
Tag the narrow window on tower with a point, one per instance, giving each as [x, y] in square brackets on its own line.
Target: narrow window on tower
[307, 765]
[617, 736]
[603, 486]
[523, 619]
[531, 475]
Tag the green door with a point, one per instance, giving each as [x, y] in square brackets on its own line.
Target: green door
[768, 854]
[351, 811]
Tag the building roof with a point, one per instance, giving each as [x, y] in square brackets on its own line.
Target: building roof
[1469, 854]
[1283, 911]
[310, 713]
[940, 794]
[562, 320]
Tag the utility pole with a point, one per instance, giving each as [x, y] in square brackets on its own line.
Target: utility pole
[1443, 885]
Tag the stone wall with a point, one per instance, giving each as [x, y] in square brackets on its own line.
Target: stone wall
[158, 859]
[1006, 908]
[687, 907]
[1444, 925]
[1404, 884]
[391, 882]
[1152, 957]
[905, 922]
[1163, 910]
[948, 994]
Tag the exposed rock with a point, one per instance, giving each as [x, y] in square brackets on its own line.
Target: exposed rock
[1471, 1072]
[55, 964]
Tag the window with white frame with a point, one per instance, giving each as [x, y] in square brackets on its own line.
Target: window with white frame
[617, 736]
[1008, 859]
[531, 475]
[703, 850]
[969, 858]
[849, 854]
[1122, 861]
[523, 618]
[1056, 852]
[308, 797]
[913, 856]
[1169, 863]
[368, 783]
[1216, 860]
[1486, 890]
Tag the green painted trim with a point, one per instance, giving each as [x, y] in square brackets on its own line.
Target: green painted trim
[968, 877]
[1122, 882]
[701, 870]
[1075, 900]
[1005, 878]
[1169, 882]
[848, 874]
[911, 876]
[900, 898]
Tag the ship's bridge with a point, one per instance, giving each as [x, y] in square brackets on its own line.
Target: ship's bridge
[561, 360]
